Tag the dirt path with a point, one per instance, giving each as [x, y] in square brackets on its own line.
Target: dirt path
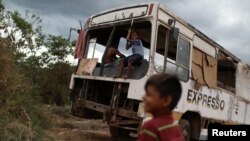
[66, 127]
[74, 129]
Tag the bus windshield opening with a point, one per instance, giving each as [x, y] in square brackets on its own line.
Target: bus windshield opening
[116, 52]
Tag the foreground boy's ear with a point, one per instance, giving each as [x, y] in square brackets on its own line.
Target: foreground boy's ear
[167, 101]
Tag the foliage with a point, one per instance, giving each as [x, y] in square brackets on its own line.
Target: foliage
[54, 81]
[45, 69]
[58, 48]
[1, 6]
[33, 70]
[22, 24]
[21, 118]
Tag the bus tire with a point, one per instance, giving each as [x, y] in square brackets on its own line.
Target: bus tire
[185, 129]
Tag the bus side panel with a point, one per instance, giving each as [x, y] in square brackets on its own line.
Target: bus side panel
[239, 109]
[164, 17]
[136, 88]
[209, 103]
[179, 108]
[247, 115]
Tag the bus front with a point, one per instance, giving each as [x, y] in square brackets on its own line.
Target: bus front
[97, 94]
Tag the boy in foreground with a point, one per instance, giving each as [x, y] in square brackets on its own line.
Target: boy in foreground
[162, 95]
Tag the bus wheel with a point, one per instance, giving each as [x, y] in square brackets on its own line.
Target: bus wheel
[121, 134]
[185, 129]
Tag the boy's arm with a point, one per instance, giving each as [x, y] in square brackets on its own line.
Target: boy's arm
[128, 36]
[128, 39]
[120, 54]
[148, 133]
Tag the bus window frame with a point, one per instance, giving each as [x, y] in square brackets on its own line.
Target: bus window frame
[189, 55]
[139, 20]
[188, 50]
[168, 60]
[159, 23]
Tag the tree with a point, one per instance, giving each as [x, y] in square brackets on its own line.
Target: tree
[29, 76]
[40, 68]
[58, 48]
[16, 95]
[1, 6]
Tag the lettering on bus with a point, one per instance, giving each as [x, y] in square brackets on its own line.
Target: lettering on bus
[208, 101]
[121, 14]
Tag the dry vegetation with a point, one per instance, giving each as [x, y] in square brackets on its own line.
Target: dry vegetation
[24, 117]
[30, 84]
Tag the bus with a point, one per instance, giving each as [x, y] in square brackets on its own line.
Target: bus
[215, 82]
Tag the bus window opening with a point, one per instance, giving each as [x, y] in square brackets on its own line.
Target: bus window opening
[178, 54]
[226, 72]
[96, 46]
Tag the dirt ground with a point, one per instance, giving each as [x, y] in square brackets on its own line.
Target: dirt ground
[66, 127]
[69, 128]
[75, 129]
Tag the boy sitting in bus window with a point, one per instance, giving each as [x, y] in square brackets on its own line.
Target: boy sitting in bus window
[162, 95]
[137, 56]
[111, 56]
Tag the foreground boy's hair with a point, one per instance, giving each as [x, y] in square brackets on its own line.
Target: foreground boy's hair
[166, 85]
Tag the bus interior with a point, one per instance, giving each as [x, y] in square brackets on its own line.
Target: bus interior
[98, 39]
[226, 72]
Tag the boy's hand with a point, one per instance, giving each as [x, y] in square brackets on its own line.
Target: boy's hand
[129, 31]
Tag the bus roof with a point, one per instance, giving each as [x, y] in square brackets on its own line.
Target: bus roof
[195, 30]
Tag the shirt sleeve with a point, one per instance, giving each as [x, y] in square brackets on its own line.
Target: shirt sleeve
[148, 133]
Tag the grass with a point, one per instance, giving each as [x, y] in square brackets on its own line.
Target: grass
[23, 119]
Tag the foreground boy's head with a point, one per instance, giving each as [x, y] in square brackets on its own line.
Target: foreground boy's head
[163, 92]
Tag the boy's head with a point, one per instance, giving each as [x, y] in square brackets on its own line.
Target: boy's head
[134, 34]
[163, 92]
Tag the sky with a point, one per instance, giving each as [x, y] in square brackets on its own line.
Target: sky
[225, 21]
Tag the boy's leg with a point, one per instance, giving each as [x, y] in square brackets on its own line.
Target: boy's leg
[128, 71]
[120, 69]
[132, 59]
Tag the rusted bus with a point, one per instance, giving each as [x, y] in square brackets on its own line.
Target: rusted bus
[214, 81]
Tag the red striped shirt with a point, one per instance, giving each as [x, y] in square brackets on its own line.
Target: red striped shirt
[160, 128]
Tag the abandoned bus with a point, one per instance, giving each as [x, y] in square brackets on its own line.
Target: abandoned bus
[215, 82]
